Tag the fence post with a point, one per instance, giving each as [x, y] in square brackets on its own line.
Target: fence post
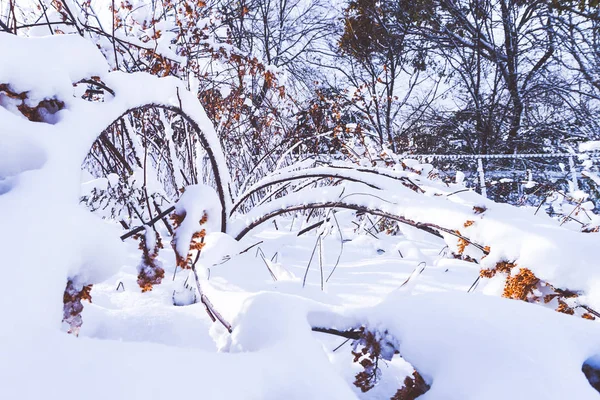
[481, 176]
[573, 173]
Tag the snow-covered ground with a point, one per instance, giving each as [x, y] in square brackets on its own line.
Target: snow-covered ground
[467, 345]
[406, 289]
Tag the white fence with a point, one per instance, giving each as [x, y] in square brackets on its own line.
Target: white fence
[571, 157]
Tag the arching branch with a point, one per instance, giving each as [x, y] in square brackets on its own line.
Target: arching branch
[430, 228]
[359, 175]
[218, 170]
[255, 189]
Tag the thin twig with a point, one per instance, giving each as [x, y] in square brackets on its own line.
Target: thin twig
[321, 259]
[343, 343]
[341, 247]
[262, 254]
[210, 309]
[571, 213]
[309, 228]
[474, 285]
[149, 223]
[411, 274]
[457, 192]
[309, 261]
[255, 244]
[348, 334]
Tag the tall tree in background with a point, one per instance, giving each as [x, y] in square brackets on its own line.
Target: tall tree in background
[377, 46]
[467, 76]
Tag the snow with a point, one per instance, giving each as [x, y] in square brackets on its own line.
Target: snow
[45, 66]
[460, 177]
[194, 203]
[512, 234]
[484, 356]
[220, 247]
[140, 345]
[489, 348]
[83, 246]
[18, 154]
[592, 145]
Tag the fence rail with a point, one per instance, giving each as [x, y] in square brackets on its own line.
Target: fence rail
[499, 156]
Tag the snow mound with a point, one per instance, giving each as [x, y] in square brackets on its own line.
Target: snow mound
[45, 66]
